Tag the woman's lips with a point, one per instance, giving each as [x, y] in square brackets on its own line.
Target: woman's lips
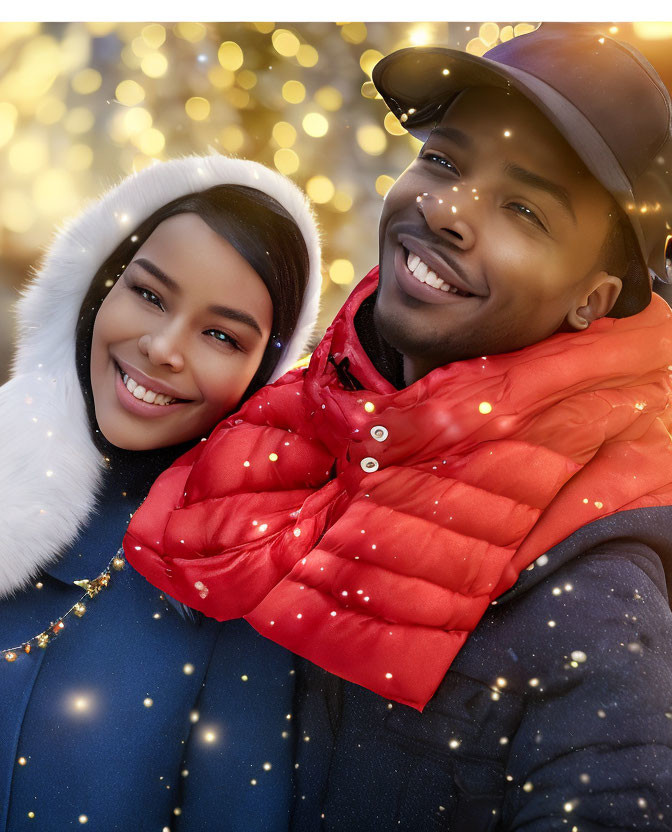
[139, 408]
[410, 285]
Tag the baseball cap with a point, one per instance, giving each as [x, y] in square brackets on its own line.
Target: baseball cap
[604, 98]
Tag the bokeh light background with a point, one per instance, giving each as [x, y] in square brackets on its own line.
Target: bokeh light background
[84, 104]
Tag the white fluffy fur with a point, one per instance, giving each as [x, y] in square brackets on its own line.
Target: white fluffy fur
[50, 469]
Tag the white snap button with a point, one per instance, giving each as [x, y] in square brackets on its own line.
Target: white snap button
[379, 433]
[369, 464]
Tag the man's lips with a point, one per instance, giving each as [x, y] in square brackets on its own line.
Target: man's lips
[446, 271]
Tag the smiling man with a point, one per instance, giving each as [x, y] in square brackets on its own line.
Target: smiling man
[460, 516]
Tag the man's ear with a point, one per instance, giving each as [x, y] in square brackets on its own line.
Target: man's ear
[597, 303]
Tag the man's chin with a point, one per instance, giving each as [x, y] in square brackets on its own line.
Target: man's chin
[410, 341]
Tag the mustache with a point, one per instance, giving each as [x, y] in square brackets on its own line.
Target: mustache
[436, 244]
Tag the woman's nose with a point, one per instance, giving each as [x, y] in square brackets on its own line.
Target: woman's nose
[450, 214]
[162, 349]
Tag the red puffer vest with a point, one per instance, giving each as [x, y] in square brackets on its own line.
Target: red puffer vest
[369, 530]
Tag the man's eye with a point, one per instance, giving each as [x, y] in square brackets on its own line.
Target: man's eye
[222, 337]
[436, 158]
[526, 212]
[148, 295]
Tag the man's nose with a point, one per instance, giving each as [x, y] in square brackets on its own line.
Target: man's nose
[450, 214]
[163, 348]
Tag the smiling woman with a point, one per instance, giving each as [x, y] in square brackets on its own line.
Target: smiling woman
[161, 308]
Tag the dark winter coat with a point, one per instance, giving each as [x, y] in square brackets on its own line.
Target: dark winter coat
[556, 714]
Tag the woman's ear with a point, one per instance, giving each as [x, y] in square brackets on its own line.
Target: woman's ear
[597, 303]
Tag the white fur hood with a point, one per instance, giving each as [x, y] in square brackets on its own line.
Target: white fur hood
[50, 470]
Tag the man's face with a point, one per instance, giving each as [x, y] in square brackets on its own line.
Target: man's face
[498, 207]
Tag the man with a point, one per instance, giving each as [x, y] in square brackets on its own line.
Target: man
[459, 514]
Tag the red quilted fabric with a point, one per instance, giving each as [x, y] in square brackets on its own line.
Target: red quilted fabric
[369, 530]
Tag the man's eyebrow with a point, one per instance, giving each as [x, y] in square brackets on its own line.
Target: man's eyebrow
[457, 136]
[223, 311]
[527, 177]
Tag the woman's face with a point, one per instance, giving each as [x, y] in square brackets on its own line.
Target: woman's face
[178, 338]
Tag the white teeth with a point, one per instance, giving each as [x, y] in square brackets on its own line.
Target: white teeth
[144, 393]
[433, 279]
[413, 261]
[444, 287]
[421, 271]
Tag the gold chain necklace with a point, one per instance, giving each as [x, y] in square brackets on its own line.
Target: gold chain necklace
[91, 589]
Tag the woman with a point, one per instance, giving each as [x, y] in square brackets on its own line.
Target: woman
[182, 291]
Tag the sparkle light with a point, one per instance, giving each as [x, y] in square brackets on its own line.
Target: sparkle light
[285, 43]
[230, 55]
[342, 272]
[485, 408]
[320, 189]
[315, 125]
[197, 108]
[129, 93]
[293, 92]
[371, 139]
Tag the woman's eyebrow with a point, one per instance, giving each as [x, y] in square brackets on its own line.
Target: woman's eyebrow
[456, 136]
[160, 275]
[236, 315]
[223, 311]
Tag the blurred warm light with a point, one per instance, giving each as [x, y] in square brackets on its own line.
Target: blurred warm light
[383, 184]
[54, 193]
[285, 43]
[315, 124]
[369, 59]
[238, 98]
[329, 98]
[151, 142]
[36, 70]
[506, 33]
[371, 139]
[193, 32]
[523, 29]
[353, 32]
[393, 125]
[286, 161]
[232, 138]
[653, 31]
[293, 92]
[476, 47]
[197, 108]
[342, 271]
[420, 36]
[264, 28]
[342, 201]
[307, 55]
[284, 134]
[100, 29]
[154, 65]
[8, 116]
[320, 189]
[137, 119]
[79, 120]
[246, 79]
[28, 155]
[230, 55]
[87, 81]
[129, 93]
[489, 34]
[50, 110]
[154, 35]
[369, 90]
[17, 213]
[79, 157]
[220, 77]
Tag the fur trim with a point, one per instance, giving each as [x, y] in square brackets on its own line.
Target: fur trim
[51, 470]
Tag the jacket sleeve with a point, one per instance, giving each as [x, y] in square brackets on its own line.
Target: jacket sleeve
[593, 751]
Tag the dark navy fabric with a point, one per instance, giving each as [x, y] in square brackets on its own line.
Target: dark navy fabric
[213, 751]
[556, 714]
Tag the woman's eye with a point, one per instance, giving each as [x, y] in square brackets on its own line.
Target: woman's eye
[222, 338]
[148, 295]
[436, 158]
[526, 212]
